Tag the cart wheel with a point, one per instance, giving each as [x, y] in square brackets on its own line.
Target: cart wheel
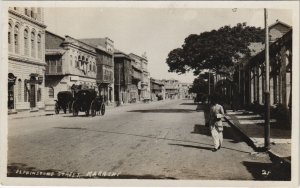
[56, 109]
[102, 109]
[74, 109]
[93, 109]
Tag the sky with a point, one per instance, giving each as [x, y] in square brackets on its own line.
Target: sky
[155, 31]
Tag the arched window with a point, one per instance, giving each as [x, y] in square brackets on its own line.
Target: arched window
[16, 38]
[39, 45]
[26, 42]
[51, 92]
[19, 90]
[10, 37]
[32, 44]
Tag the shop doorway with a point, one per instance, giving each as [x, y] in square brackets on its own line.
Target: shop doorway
[11, 97]
[11, 92]
[32, 96]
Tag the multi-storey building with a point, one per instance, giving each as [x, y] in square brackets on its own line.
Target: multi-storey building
[125, 91]
[184, 90]
[105, 66]
[172, 88]
[140, 64]
[26, 59]
[70, 64]
[157, 89]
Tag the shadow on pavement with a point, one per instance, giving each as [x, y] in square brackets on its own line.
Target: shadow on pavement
[268, 171]
[192, 146]
[201, 129]
[130, 134]
[164, 111]
[76, 128]
[185, 103]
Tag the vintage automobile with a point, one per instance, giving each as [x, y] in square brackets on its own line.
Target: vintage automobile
[64, 101]
[87, 101]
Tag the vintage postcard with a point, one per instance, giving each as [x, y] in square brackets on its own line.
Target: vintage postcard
[150, 93]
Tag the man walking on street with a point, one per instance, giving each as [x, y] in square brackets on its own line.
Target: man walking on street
[216, 126]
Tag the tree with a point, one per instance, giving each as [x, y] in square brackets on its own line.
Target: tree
[200, 84]
[217, 50]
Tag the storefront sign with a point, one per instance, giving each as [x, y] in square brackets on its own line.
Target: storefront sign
[74, 78]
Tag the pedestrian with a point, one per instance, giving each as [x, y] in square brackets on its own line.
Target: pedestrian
[216, 126]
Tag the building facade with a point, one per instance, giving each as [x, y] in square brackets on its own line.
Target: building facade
[125, 90]
[26, 59]
[157, 88]
[70, 64]
[105, 66]
[172, 88]
[140, 66]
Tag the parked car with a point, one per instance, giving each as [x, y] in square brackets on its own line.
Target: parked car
[88, 101]
[64, 101]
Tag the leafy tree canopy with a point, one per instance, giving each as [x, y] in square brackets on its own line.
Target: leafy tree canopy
[216, 50]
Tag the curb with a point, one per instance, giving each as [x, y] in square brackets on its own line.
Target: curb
[247, 139]
[256, 148]
[278, 158]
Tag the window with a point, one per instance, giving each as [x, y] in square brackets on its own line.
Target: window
[32, 13]
[16, 37]
[51, 92]
[9, 37]
[26, 12]
[19, 90]
[39, 43]
[39, 95]
[32, 44]
[26, 42]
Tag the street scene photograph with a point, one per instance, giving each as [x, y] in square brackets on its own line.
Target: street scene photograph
[149, 93]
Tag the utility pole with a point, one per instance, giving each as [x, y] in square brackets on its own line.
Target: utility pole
[267, 88]
[119, 86]
[209, 82]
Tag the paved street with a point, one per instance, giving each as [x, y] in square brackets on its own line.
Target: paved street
[164, 139]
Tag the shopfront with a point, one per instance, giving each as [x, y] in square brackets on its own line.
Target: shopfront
[11, 91]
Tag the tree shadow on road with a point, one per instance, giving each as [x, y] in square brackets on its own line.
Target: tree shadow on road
[164, 111]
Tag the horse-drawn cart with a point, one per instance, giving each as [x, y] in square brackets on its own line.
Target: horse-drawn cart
[89, 102]
[64, 101]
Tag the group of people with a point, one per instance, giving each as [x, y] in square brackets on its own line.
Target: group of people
[213, 119]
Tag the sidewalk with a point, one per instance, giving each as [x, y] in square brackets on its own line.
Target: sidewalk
[252, 128]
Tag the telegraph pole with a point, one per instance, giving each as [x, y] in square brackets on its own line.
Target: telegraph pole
[267, 88]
